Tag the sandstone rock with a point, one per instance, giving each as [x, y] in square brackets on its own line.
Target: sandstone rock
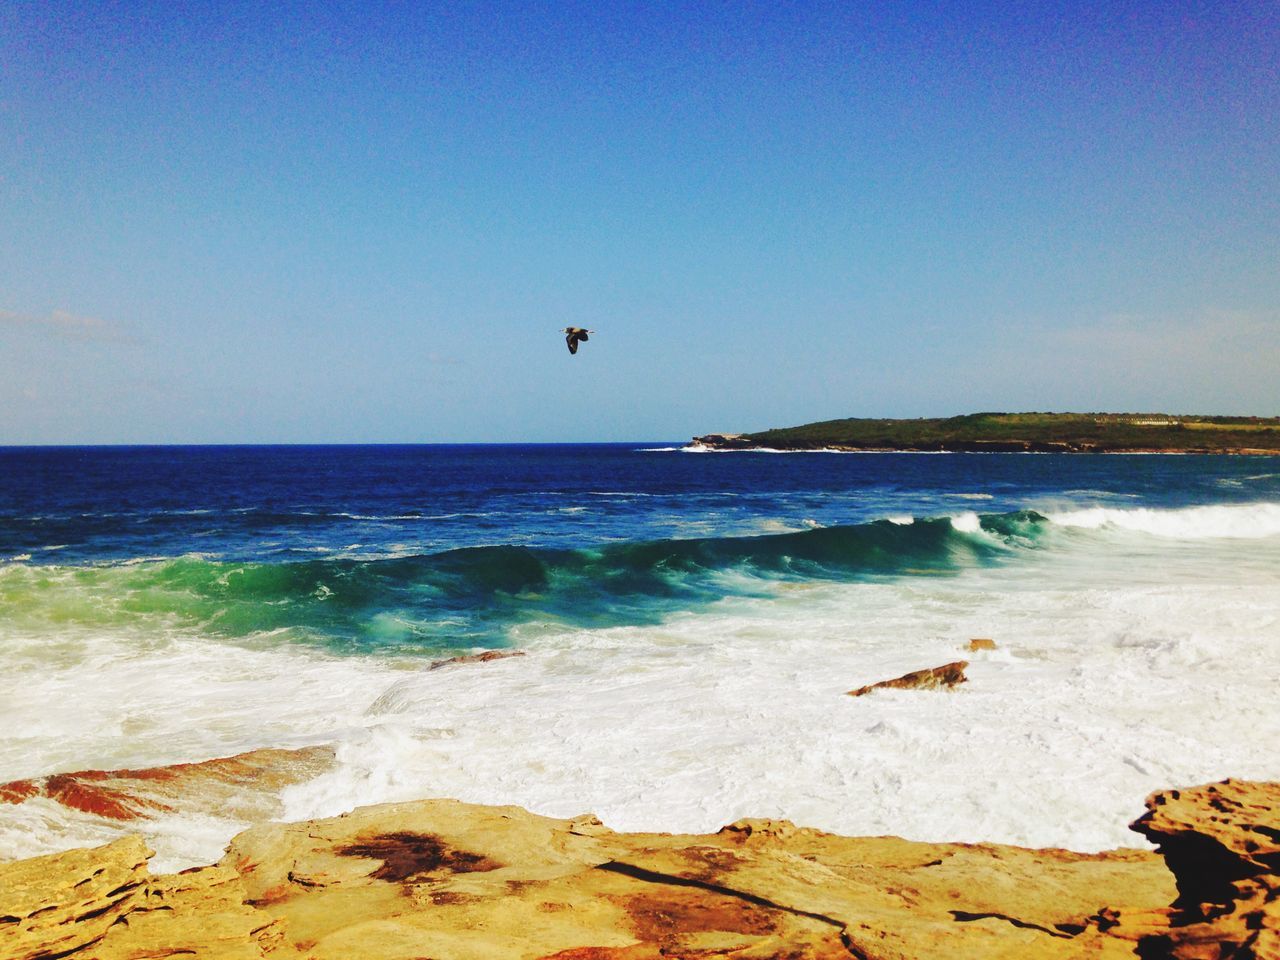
[245, 786]
[981, 643]
[1222, 842]
[477, 658]
[947, 675]
[103, 903]
[453, 881]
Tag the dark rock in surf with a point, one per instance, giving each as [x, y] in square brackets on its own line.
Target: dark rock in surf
[946, 677]
[477, 658]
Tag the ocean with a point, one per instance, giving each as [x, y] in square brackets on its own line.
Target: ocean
[690, 624]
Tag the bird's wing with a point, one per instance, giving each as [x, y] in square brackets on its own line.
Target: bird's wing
[582, 335]
[572, 341]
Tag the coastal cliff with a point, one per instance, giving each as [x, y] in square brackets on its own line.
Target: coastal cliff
[1018, 433]
[443, 879]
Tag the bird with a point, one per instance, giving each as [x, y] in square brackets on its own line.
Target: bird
[574, 336]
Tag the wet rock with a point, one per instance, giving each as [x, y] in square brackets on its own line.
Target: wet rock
[981, 643]
[946, 676]
[477, 658]
[245, 786]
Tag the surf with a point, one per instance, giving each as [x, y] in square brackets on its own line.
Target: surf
[469, 596]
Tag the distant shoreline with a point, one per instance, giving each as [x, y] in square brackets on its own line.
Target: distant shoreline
[697, 445]
[1115, 433]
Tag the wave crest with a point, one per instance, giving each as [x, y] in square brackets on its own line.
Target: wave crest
[1248, 521]
[473, 596]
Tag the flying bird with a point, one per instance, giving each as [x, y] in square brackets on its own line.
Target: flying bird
[574, 336]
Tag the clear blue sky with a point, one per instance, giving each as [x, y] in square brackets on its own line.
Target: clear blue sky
[367, 222]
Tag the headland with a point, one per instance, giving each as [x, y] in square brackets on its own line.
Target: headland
[1018, 433]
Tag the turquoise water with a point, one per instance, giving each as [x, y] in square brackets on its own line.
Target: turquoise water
[405, 549]
[473, 596]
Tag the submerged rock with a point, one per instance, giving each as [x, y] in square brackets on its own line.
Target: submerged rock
[245, 786]
[477, 658]
[948, 675]
[981, 643]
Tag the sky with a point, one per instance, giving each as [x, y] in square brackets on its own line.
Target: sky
[368, 222]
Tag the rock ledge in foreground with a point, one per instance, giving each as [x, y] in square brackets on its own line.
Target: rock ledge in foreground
[453, 881]
[1222, 842]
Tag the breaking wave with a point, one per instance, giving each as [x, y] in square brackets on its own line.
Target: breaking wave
[471, 596]
[475, 596]
[1235, 521]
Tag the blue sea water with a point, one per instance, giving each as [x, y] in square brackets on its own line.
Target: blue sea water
[689, 624]
[403, 548]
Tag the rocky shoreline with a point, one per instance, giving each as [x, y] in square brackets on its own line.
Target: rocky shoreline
[445, 880]
[994, 432]
[727, 442]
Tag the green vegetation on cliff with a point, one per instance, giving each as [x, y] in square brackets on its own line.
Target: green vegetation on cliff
[1065, 432]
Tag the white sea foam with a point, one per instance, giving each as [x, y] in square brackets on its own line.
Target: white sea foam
[769, 525]
[1126, 662]
[1248, 521]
